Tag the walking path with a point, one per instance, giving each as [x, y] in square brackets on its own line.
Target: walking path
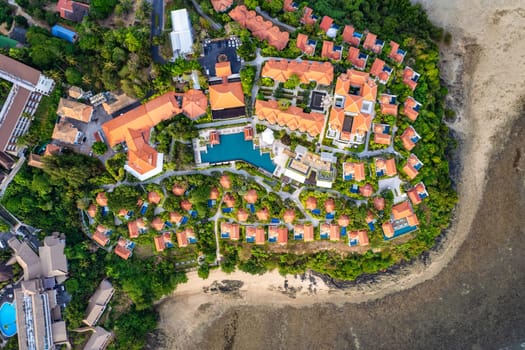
[214, 25]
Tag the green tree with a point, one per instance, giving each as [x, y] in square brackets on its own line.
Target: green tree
[99, 147]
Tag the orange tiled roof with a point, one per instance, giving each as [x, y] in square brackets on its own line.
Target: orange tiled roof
[242, 215]
[371, 43]
[343, 221]
[101, 199]
[248, 133]
[182, 239]
[370, 217]
[394, 54]
[308, 16]
[92, 210]
[357, 170]
[229, 200]
[360, 125]
[378, 70]
[409, 167]
[308, 232]
[382, 139]
[261, 29]
[251, 196]
[185, 205]
[408, 78]
[157, 223]
[223, 69]
[409, 108]
[293, 118]
[122, 252]
[335, 232]
[289, 6]
[414, 193]
[178, 189]
[353, 57]
[281, 70]
[214, 193]
[194, 104]
[402, 210]
[348, 36]
[263, 214]
[366, 190]
[135, 226]
[221, 5]
[387, 165]
[232, 228]
[153, 197]
[257, 232]
[361, 236]
[289, 216]
[330, 51]
[311, 203]
[326, 23]
[175, 217]
[387, 107]
[226, 95]
[304, 45]
[160, 245]
[379, 203]
[329, 205]
[407, 136]
[74, 110]
[388, 229]
[225, 181]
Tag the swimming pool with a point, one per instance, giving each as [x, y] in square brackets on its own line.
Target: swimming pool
[8, 319]
[233, 147]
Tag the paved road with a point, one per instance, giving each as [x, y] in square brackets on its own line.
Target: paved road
[157, 26]
[223, 123]
[12, 174]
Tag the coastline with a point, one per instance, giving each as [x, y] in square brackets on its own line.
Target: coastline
[473, 83]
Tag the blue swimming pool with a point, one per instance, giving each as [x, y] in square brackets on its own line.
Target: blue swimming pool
[8, 319]
[233, 147]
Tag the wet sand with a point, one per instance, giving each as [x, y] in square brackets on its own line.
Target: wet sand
[471, 293]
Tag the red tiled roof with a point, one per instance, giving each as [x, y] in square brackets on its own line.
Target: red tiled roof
[293, 118]
[257, 232]
[153, 197]
[242, 215]
[408, 108]
[175, 217]
[229, 200]
[353, 57]
[308, 18]
[409, 167]
[100, 237]
[214, 193]
[370, 43]
[343, 221]
[233, 229]
[251, 196]
[122, 252]
[348, 36]
[261, 29]
[329, 205]
[357, 170]
[387, 165]
[134, 227]
[248, 133]
[329, 51]
[388, 229]
[281, 70]
[178, 189]
[406, 138]
[335, 232]
[326, 23]
[289, 216]
[379, 203]
[182, 239]
[386, 106]
[221, 5]
[308, 232]
[408, 73]
[194, 104]
[214, 138]
[263, 214]
[225, 181]
[311, 203]
[394, 54]
[361, 236]
[72, 10]
[157, 223]
[366, 190]
[402, 210]
[382, 139]
[304, 46]
[288, 6]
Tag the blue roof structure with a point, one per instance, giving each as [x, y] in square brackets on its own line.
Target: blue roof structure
[64, 33]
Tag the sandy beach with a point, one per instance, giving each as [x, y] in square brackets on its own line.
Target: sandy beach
[483, 68]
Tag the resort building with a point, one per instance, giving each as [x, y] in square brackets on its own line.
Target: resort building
[308, 16]
[329, 27]
[396, 54]
[181, 36]
[357, 58]
[134, 128]
[99, 340]
[255, 235]
[350, 36]
[388, 104]
[303, 232]
[331, 51]
[72, 10]
[385, 167]
[101, 235]
[410, 137]
[417, 193]
[354, 171]
[358, 238]
[219, 51]
[66, 132]
[261, 29]
[98, 302]
[353, 110]
[124, 248]
[231, 230]
[410, 77]
[310, 168]
[382, 134]
[136, 228]
[307, 46]
[402, 220]
[290, 6]
[226, 96]
[163, 241]
[293, 118]
[307, 71]
[381, 71]
[221, 5]
[186, 237]
[411, 108]
[278, 235]
[74, 110]
[330, 231]
[28, 86]
[373, 44]
[412, 166]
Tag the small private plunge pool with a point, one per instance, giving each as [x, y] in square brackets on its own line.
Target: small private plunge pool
[234, 147]
[8, 319]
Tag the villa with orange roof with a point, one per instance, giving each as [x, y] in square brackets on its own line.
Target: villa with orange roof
[410, 77]
[278, 235]
[308, 17]
[178, 189]
[263, 214]
[255, 235]
[225, 182]
[381, 71]
[102, 199]
[281, 70]
[157, 224]
[101, 235]
[136, 227]
[72, 10]
[163, 241]
[418, 193]
[242, 215]
[221, 5]
[353, 109]
[329, 205]
[350, 36]
[330, 231]
[230, 230]
[358, 238]
[331, 51]
[409, 138]
[175, 217]
[226, 98]
[385, 167]
[354, 171]
[402, 220]
[388, 104]
[289, 216]
[251, 196]
[92, 210]
[134, 127]
[411, 108]
[307, 46]
[124, 248]
[186, 236]
[396, 54]
[357, 58]
[412, 166]
[293, 118]
[290, 6]
[311, 203]
[303, 232]
[153, 197]
[382, 134]
[329, 27]
[379, 203]
[367, 190]
[373, 44]
[261, 29]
